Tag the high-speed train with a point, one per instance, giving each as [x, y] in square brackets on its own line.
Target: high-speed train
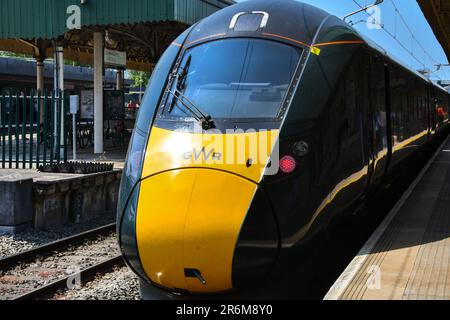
[333, 117]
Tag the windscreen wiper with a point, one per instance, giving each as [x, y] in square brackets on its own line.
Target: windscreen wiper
[181, 77]
[205, 119]
[178, 96]
[176, 79]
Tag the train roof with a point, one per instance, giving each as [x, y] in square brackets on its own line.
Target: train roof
[285, 18]
[382, 51]
[439, 87]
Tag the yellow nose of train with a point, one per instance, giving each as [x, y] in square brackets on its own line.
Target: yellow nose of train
[193, 201]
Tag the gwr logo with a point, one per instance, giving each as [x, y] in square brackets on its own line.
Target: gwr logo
[212, 154]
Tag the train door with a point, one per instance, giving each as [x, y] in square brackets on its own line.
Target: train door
[388, 99]
[439, 109]
[430, 111]
[367, 130]
[353, 150]
[378, 120]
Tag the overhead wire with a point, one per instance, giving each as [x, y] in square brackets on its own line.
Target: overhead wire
[434, 61]
[400, 43]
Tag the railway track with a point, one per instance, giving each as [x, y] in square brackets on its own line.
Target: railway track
[85, 275]
[40, 272]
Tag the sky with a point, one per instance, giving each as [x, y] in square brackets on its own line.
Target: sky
[413, 19]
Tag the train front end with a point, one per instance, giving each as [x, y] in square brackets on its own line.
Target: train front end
[192, 217]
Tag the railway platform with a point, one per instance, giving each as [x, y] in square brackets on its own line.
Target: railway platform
[42, 200]
[408, 256]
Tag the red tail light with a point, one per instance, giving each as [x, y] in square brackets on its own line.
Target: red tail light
[287, 164]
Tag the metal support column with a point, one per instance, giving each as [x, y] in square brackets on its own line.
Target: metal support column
[40, 81]
[58, 117]
[98, 92]
[119, 79]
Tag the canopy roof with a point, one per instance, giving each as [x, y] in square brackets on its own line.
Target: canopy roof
[142, 28]
[437, 12]
[47, 19]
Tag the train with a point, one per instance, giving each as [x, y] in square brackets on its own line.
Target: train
[337, 117]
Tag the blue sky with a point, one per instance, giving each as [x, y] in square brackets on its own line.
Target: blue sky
[416, 22]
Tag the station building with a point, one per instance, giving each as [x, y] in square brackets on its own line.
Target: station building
[21, 73]
[104, 33]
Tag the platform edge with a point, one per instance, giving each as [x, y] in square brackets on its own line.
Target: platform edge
[355, 265]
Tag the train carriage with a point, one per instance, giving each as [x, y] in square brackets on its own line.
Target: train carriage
[336, 115]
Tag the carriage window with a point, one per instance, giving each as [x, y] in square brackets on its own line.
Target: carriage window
[238, 78]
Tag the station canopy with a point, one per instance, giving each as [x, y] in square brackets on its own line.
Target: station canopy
[437, 12]
[142, 28]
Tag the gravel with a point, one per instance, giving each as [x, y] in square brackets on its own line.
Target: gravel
[120, 284]
[13, 244]
[26, 276]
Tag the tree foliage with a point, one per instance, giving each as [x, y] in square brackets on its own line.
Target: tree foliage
[139, 78]
[7, 54]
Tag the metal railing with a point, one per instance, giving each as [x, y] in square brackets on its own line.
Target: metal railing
[33, 127]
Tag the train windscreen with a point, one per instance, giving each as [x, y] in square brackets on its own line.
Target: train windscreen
[236, 78]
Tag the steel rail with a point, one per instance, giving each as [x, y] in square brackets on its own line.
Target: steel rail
[46, 250]
[86, 275]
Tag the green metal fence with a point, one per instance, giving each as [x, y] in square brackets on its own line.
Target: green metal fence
[33, 128]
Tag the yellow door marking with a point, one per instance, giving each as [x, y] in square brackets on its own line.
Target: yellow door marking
[315, 50]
